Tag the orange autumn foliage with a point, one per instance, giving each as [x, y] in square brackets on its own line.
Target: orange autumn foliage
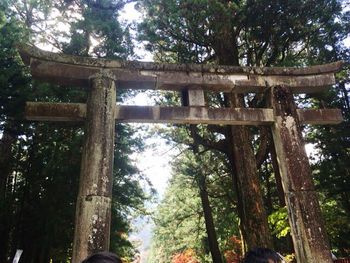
[232, 257]
[188, 256]
[234, 254]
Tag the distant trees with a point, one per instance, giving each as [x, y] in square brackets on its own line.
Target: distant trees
[199, 200]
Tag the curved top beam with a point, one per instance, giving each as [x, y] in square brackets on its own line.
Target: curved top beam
[74, 70]
[28, 52]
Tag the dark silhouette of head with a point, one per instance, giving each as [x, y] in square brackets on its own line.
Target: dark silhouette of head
[103, 257]
[262, 255]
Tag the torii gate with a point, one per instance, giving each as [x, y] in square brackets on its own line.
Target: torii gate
[103, 77]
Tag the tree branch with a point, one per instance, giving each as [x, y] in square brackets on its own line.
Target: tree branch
[219, 146]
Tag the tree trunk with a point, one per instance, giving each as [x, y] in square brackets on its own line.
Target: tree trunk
[6, 161]
[269, 203]
[6, 156]
[209, 222]
[254, 224]
[278, 179]
[253, 217]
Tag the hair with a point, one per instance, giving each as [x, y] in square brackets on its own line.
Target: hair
[262, 255]
[103, 257]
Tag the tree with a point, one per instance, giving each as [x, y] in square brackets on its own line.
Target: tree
[39, 162]
[250, 33]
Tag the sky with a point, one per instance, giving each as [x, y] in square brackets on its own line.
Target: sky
[154, 163]
[130, 15]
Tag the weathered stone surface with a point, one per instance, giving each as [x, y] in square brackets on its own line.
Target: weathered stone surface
[196, 97]
[320, 116]
[92, 229]
[194, 115]
[76, 112]
[307, 227]
[93, 209]
[154, 114]
[78, 75]
[299, 84]
[46, 111]
[71, 70]
[28, 52]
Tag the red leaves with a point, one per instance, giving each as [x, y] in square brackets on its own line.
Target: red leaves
[234, 254]
[188, 256]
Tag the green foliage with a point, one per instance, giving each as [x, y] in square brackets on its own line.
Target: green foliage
[178, 222]
[40, 162]
[99, 23]
[279, 222]
[14, 80]
[337, 223]
[240, 32]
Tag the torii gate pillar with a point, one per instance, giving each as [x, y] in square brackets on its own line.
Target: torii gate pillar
[93, 209]
[304, 213]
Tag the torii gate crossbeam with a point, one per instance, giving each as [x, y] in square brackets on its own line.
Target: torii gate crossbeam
[102, 78]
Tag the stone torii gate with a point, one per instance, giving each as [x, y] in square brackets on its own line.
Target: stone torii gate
[102, 77]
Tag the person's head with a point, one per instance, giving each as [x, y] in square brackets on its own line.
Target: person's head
[103, 257]
[262, 255]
